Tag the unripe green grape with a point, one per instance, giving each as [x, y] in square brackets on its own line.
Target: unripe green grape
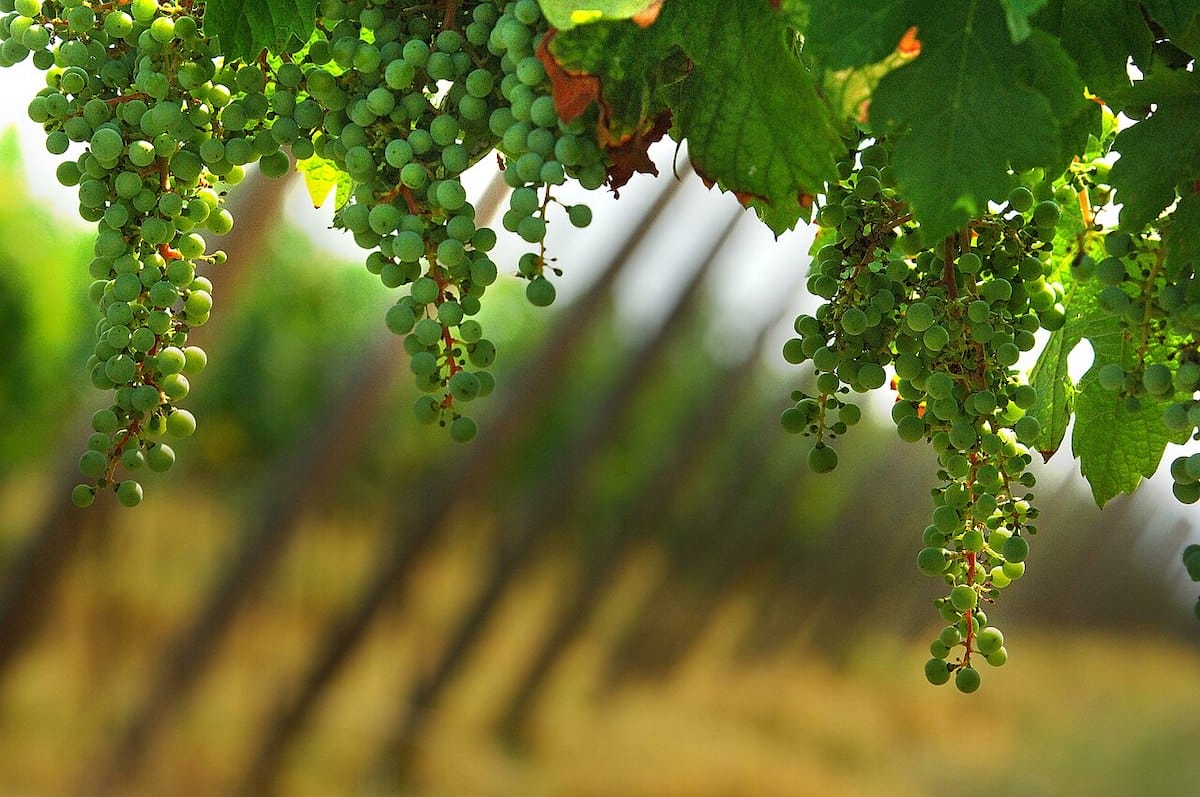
[931, 561]
[83, 495]
[822, 458]
[1111, 377]
[1186, 493]
[854, 321]
[966, 679]
[462, 429]
[964, 597]
[1157, 380]
[428, 331]
[540, 292]
[950, 635]
[946, 519]
[937, 672]
[998, 657]
[919, 316]
[181, 423]
[160, 457]
[989, 640]
[1021, 199]
[423, 363]
[482, 354]
[579, 215]
[129, 493]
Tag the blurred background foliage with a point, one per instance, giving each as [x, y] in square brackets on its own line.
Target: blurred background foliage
[628, 585]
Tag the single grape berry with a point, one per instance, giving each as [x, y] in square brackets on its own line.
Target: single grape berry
[937, 672]
[966, 680]
[129, 493]
[964, 597]
[822, 458]
[540, 292]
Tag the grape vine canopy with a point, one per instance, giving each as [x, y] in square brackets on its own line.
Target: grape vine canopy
[958, 157]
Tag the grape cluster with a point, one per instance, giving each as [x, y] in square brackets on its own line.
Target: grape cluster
[1156, 302]
[136, 85]
[412, 97]
[950, 321]
[1191, 562]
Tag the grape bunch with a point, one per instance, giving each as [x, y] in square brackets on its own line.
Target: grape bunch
[136, 85]
[412, 97]
[949, 319]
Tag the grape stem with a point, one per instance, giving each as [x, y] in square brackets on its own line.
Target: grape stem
[451, 14]
[968, 614]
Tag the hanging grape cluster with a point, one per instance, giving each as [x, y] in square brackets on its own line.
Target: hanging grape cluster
[401, 98]
[413, 97]
[949, 319]
[138, 86]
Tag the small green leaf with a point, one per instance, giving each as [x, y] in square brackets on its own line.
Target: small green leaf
[321, 177]
[566, 14]
[247, 27]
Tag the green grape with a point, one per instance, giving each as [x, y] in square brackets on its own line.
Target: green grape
[462, 429]
[966, 679]
[540, 292]
[822, 458]
[1021, 199]
[963, 597]
[931, 561]
[989, 640]
[936, 671]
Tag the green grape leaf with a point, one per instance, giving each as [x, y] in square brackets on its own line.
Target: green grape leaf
[247, 27]
[1017, 14]
[1050, 376]
[850, 33]
[567, 14]
[1182, 236]
[972, 105]
[322, 176]
[1157, 154]
[1116, 448]
[749, 110]
[1100, 36]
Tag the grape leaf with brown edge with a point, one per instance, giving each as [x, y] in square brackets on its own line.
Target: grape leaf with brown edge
[970, 107]
[743, 100]
[750, 110]
[247, 28]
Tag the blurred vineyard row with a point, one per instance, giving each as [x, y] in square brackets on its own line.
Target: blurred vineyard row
[627, 585]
